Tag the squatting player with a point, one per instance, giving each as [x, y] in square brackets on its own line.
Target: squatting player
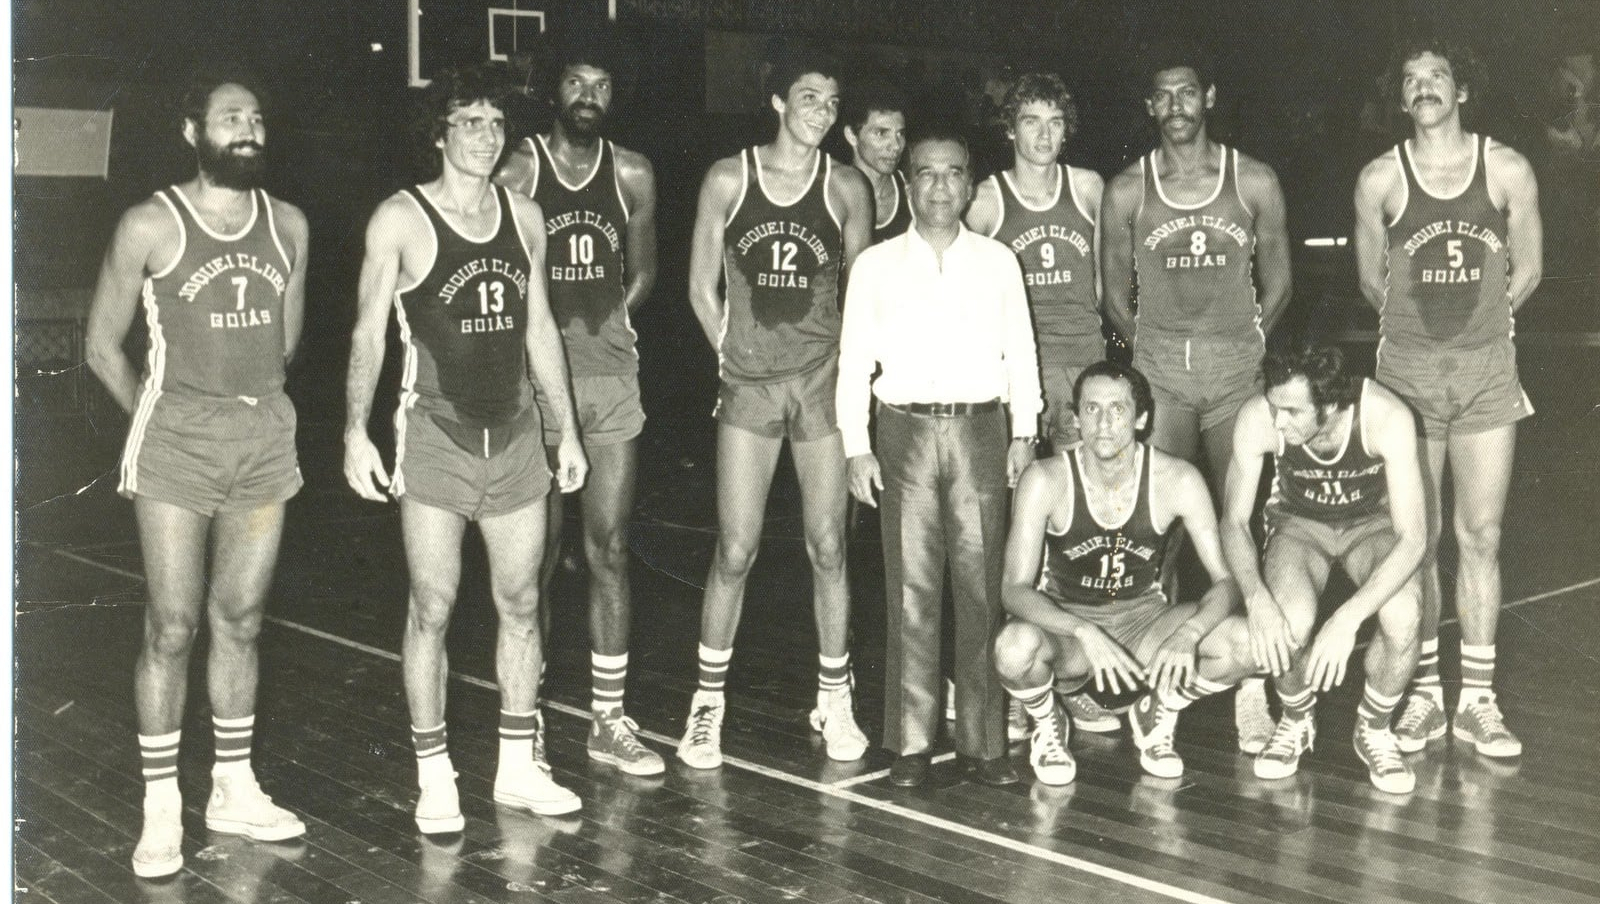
[1189, 231]
[1448, 244]
[1083, 581]
[460, 261]
[599, 204]
[1046, 212]
[1347, 488]
[210, 456]
[781, 223]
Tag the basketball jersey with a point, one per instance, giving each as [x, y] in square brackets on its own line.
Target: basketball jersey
[1193, 260]
[1055, 245]
[216, 312]
[585, 224]
[782, 265]
[1348, 486]
[463, 323]
[1448, 267]
[899, 218]
[1090, 564]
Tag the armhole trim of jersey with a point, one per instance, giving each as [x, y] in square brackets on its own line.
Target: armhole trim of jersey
[516, 224]
[434, 233]
[827, 190]
[1405, 184]
[538, 164]
[1000, 203]
[1077, 202]
[1144, 186]
[1238, 187]
[1071, 493]
[183, 237]
[1366, 435]
[272, 230]
[744, 186]
[616, 183]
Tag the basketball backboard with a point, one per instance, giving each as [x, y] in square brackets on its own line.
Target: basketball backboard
[443, 33]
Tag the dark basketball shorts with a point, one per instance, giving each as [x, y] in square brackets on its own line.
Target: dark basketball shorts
[474, 472]
[1333, 540]
[608, 408]
[1456, 390]
[1211, 377]
[211, 455]
[801, 408]
[1139, 624]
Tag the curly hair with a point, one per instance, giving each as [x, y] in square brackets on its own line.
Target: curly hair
[196, 98]
[449, 91]
[1464, 65]
[1046, 87]
[1322, 366]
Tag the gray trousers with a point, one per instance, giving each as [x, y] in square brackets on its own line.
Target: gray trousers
[944, 504]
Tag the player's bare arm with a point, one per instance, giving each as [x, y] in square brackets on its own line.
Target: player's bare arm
[638, 180]
[1272, 643]
[146, 241]
[1513, 186]
[1038, 493]
[1258, 186]
[852, 197]
[1187, 497]
[717, 195]
[1091, 189]
[546, 357]
[294, 230]
[519, 169]
[983, 214]
[1117, 211]
[393, 224]
[1376, 184]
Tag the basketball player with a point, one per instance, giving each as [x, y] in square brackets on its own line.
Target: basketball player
[1045, 212]
[1347, 489]
[210, 457]
[875, 129]
[1083, 581]
[599, 202]
[1448, 244]
[460, 261]
[781, 222]
[1190, 230]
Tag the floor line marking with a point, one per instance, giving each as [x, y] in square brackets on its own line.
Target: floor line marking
[1535, 598]
[67, 554]
[842, 790]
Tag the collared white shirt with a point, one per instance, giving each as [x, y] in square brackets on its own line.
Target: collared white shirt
[955, 330]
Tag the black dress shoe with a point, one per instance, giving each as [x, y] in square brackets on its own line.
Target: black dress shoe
[995, 772]
[910, 770]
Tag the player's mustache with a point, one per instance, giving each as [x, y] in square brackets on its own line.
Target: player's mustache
[585, 105]
[241, 145]
[1422, 97]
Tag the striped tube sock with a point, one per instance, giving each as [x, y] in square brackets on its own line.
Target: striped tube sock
[1426, 678]
[429, 742]
[158, 758]
[233, 737]
[1188, 693]
[607, 675]
[1297, 706]
[1038, 701]
[516, 737]
[1375, 708]
[1477, 672]
[714, 668]
[833, 673]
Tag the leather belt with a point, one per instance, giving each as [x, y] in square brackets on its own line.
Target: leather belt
[946, 409]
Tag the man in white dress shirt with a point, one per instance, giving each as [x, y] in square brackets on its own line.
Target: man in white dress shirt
[944, 312]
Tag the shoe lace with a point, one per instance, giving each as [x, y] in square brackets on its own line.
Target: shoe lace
[1382, 749]
[1046, 742]
[1488, 716]
[1417, 711]
[1086, 707]
[1251, 713]
[703, 725]
[1286, 739]
[622, 734]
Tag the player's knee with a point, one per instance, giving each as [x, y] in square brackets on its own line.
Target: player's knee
[1017, 648]
[607, 551]
[429, 609]
[239, 629]
[1400, 619]
[1229, 643]
[1477, 538]
[168, 636]
[826, 551]
[735, 556]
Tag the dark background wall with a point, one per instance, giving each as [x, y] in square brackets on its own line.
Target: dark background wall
[1296, 88]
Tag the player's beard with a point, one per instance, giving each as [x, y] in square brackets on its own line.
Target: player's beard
[229, 169]
[582, 131]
